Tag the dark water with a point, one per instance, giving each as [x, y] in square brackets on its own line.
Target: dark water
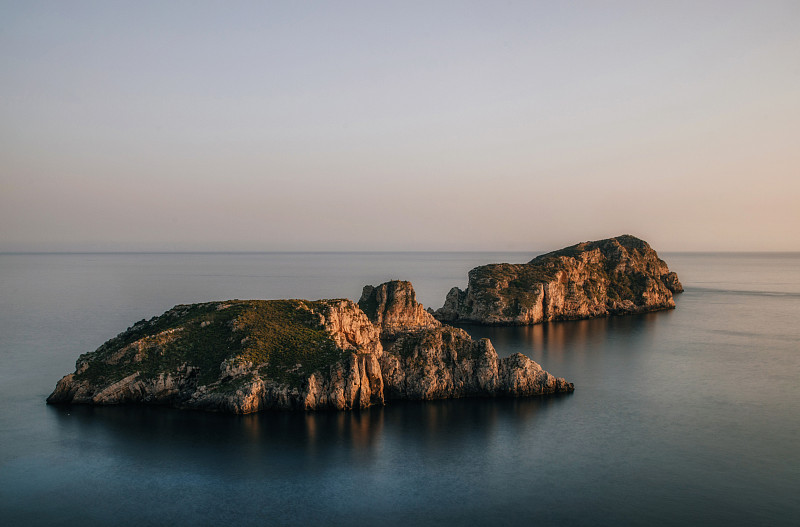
[689, 416]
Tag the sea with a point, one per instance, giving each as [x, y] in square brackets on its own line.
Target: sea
[683, 417]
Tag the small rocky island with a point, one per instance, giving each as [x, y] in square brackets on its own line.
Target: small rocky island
[243, 356]
[616, 276]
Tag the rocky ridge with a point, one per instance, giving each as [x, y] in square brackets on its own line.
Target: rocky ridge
[620, 275]
[247, 356]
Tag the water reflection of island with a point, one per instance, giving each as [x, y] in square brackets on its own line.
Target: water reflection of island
[572, 337]
[279, 442]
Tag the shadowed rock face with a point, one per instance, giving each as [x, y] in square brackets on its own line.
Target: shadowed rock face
[247, 356]
[616, 276]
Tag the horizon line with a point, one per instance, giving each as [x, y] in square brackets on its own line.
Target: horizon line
[454, 251]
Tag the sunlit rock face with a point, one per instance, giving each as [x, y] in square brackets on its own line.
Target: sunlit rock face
[248, 356]
[445, 362]
[237, 356]
[393, 308]
[615, 276]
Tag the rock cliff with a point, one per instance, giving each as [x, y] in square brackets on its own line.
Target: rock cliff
[424, 359]
[616, 276]
[247, 356]
[393, 308]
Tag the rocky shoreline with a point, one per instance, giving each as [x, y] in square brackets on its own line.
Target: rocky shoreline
[249, 356]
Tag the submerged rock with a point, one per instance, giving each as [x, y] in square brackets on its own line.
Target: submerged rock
[616, 276]
[246, 356]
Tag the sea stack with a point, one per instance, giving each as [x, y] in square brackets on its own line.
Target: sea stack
[616, 276]
[244, 356]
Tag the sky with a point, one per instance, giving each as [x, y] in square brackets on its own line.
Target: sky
[392, 126]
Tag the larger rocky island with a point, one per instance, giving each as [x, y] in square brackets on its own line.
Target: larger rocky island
[616, 276]
[244, 356]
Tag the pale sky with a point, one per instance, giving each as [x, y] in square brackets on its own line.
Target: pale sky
[269, 126]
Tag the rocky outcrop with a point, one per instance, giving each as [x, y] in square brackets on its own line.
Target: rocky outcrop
[393, 308]
[616, 276]
[445, 362]
[237, 356]
[247, 356]
[424, 360]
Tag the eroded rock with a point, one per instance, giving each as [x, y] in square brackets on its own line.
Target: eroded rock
[393, 308]
[616, 276]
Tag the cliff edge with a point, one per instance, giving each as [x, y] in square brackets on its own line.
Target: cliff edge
[615, 276]
[243, 356]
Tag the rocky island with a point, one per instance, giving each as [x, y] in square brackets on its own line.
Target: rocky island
[243, 356]
[615, 276]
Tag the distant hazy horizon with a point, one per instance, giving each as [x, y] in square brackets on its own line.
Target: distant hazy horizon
[398, 126]
[387, 252]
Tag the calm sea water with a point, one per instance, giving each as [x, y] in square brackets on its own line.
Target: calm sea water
[689, 416]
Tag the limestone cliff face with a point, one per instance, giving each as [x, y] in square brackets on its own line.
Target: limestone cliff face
[445, 362]
[608, 277]
[394, 309]
[423, 359]
[247, 356]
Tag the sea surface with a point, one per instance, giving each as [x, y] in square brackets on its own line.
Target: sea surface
[682, 417]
